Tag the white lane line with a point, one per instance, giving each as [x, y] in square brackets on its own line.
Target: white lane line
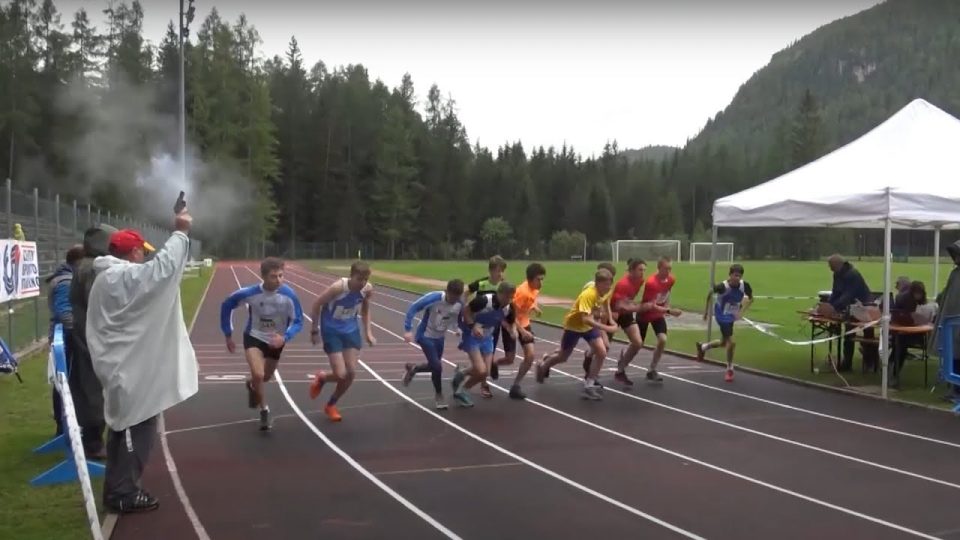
[450, 469]
[715, 467]
[512, 455]
[744, 396]
[165, 447]
[278, 416]
[710, 466]
[346, 457]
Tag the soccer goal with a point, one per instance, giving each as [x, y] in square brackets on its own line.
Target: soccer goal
[648, 250]
[700, 251]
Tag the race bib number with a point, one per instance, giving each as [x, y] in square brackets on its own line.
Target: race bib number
[344, 313]
[267, 325]
[662, 298]
[731, 309]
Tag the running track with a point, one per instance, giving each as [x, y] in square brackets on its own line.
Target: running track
[692, 458]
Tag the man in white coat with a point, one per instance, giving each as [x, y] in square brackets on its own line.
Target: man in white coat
[141, 353]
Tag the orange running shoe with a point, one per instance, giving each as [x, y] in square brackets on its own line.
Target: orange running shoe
[729, 376]
[317, 385]
[332, 413]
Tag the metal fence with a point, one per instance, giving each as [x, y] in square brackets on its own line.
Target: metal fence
[55, 224]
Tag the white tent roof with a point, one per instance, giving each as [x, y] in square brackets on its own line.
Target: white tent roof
[907, 169]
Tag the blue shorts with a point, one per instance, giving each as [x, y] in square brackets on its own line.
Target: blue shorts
[726, 328]
[571, 338]
[469, 342]
[334, 341]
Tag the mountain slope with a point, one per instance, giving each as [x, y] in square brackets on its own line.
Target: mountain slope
[861, 69]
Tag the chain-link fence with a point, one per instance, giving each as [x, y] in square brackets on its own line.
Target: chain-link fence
[55, 224]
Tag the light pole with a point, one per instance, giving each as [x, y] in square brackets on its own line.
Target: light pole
[185, 19]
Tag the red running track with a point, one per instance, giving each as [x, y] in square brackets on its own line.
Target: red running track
[693, 457]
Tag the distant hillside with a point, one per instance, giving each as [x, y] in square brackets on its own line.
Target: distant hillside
[823, 91]
[650, 153]
[860, 69]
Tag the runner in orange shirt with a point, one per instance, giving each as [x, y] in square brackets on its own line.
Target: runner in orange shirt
[524, 303]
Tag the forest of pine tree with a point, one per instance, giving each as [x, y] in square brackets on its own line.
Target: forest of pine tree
[325, 154]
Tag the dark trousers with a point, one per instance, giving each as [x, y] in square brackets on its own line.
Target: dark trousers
[871, 352]
[127, 455]
[87, 393]
[899, 353]
[57, 410]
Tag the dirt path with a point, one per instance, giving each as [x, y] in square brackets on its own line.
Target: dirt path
[686, 321]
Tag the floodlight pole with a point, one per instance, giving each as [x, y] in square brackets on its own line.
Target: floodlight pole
[183, 108]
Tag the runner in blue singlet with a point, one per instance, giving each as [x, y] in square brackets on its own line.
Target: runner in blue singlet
[733, 297]
[335, 325]
[274, 318]
[478, 321]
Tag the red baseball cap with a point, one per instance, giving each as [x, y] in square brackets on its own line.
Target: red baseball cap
[124, 241]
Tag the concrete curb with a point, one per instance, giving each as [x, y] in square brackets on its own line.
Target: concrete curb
[755, 371]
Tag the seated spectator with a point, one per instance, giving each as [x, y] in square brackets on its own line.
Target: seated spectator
[911, 309]
[61, 312]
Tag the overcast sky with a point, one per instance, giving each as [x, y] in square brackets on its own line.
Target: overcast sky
[586, 72]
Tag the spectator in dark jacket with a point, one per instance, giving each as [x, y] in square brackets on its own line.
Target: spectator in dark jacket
[58, 299]
[61, 312]
[84, 384]
[849, 287]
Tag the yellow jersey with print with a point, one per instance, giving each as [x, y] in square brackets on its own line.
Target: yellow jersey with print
[587, 302]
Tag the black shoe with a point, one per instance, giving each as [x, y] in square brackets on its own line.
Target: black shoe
[516, 392]
[494, 370]
[141, 502]
[652, 375]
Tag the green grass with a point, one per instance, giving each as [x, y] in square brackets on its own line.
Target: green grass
[768, 278]
[28, 513]
[31, 320]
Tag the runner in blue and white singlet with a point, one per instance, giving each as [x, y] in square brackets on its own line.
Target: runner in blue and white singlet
[733, 297]
[274, 317]
[335, 325]
[440, 309]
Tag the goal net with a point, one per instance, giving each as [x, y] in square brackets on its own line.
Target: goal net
[648, 250]
[700, 251]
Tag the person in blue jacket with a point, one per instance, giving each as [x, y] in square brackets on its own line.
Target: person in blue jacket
[61, 312]
[441, 309]
[274, 318]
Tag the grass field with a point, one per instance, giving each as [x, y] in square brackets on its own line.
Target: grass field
[767, 278]
[28, 513]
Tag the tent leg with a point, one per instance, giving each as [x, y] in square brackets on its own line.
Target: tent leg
[885, 319]
[936, 261]
[713, 276]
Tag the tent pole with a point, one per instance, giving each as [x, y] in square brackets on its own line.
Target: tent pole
[713, 275]
[936, 260]
[885, 319]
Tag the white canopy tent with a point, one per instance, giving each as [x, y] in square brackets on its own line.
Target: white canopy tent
[903, 174]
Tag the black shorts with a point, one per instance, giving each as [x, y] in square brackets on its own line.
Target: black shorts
[659, 327]
[510, 344]
[626, 320]
[726, 329]
[250, 342]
